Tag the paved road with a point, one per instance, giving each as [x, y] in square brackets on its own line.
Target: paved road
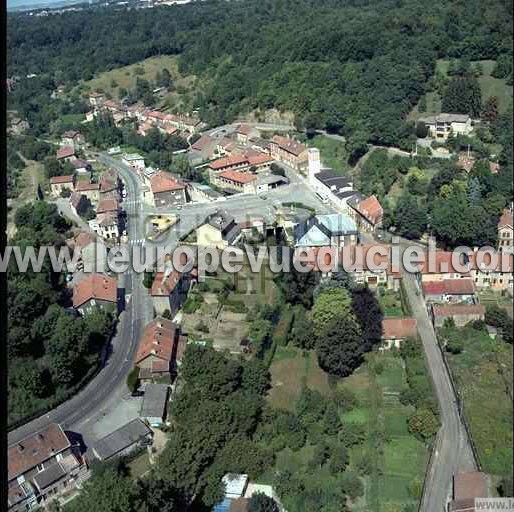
[81, 412]
[452, 452]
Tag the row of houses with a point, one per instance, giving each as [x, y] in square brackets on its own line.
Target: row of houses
[146, 118]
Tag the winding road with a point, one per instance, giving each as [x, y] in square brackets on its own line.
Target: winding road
[108, 386]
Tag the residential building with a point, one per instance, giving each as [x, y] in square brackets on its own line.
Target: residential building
[73, 138]
[205, 147]
[461, 314]
[467, 487]
[249, 160]
[243, 133]
[155, 400]
[41, 466]
[219, 230]
[95, 290]
[227, 146]
[169, 291]
[66, 153]
[438, 265]
[506, 231]
[96, 99]
[253, 226]
[60, 183]
[450, 290]
[134, 160]
[90, 190]
[499, 277]
[198, 192]
[333, 230]
[160, 349]
[123, 441]
[235, 181]
[397, 330]
[167, 190]
[107, 204]
[441, 126]
[92, 252]
[81, 167]
[289, 152]
[106, 225]
[366, 211]
[109, 184]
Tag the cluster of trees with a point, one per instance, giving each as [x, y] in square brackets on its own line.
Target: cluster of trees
[49, 349]
[326, 75]
[230, 394]
[338, 318]
[324, 481]
[424, 421]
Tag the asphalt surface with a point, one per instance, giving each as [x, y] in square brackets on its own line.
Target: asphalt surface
[452, 453]
[79, 413]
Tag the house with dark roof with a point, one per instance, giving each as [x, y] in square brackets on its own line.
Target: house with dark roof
[123, 441]
[82, 167]
[218, 230]
[41, 466]
[330, 230]
[153, 408]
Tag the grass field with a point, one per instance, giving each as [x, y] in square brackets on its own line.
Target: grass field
[483, 373]
[397, 460]
[139, 466]
[332, 152]
[489, 86]
[391, 303]
[126, 77]
[290, 371]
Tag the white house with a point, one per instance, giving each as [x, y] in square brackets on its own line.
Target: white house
[441, 126]
[134, 160]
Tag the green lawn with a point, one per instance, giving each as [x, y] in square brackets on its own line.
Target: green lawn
[139, 466]
[483, 373]
[391, 303]
[332, 152]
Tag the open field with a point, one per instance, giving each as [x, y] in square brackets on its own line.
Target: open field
[396, 460]
[125, 77]
[332, 152]
[390, 302]
[290, 371]
[483, 374]
[489, 86]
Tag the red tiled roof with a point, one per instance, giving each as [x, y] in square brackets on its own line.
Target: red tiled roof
[162, 286]
[95, 286]
[505, 261]
[82, 186]
[442, 263]
[399, 328]
[107, 205]
[35, 449]
[107, 219]
[289, 145]
[469, 485]
[165, 182]
[55, 180]
[158, 338]
[65, 152]
[238, 177]
[449, 287]
[371, 209]
[458, 309]
[256, 158]
[244, 129]
[506, 220]
[203, 141]
[229, 161]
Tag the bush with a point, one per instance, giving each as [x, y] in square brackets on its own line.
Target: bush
[421, 130]
[133, 379]
[455, 346]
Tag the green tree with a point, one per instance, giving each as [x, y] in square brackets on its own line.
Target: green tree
[339, 346]
[330, 304]
[490, 110]
[463, 96]
[410, 218]
[133, 379]
[424, 423]
[261, 503]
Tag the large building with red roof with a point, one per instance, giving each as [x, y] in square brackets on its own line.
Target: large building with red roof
[167, 190]
[289, 152]
[449, 290]
[366, 211]
[95, 290]
[41, 465]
